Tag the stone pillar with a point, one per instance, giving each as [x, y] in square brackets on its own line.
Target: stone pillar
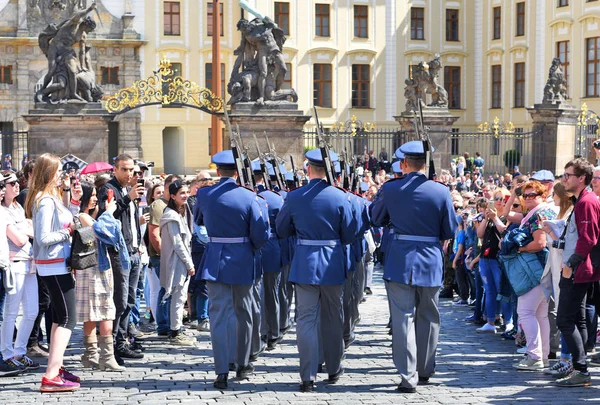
[22, 29]
[77, 128]
[283, 123]
[557, 127]
[440, 122]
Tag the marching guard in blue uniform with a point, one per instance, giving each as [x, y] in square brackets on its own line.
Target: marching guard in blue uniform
[421, 214]
[237, 223]
[270, 263]
[320, 216]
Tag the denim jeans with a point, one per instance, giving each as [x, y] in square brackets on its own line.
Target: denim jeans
[2, 299]
[478, 294]
[200, 293]
[591, 318]
[491, 275]
[571, 319]
[134, 316]
[163, 309]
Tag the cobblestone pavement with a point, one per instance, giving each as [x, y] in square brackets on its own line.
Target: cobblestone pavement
[471, 369]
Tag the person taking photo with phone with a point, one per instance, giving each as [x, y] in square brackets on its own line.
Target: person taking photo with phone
[125, 281]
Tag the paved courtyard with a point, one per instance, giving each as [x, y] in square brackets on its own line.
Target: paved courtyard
[471, 369]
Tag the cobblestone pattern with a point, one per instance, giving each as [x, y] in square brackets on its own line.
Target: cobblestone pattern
[471, 369]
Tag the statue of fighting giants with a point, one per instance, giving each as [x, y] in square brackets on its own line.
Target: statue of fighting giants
[261, 62]
[70, 75]
[556, 85]
[424, 80]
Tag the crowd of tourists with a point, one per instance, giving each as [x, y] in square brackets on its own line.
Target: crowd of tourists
[91, 249]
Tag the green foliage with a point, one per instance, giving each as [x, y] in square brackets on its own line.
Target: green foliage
[512, 157]
[307, 148]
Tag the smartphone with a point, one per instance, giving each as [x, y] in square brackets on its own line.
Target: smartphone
[141, 182]
[110, 194]
[518, 191]
[145, 210]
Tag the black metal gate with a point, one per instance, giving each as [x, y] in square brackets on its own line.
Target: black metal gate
[15, 144]
[502, 151]
[588, 130]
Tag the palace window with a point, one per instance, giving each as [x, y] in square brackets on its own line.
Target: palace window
[452, 85]
[282, 16]
[592, 79]
[496, 86]
[417, 23]
[519, 85]
[322, 20]
[451, 25]
[563, 53]
[361, 21]
[6, 74]
[209, 19]
[361, 86]
[322, 84]
[497, 22]
[208, 77]
[563, 3]
[110, 75]
[172, 18]
[520, 19]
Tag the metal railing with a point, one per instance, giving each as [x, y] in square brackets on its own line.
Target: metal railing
[15, 144]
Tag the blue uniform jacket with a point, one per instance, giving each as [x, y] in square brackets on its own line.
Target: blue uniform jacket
[230, 211]
[414, 206]
[317, 211]
[270, 253]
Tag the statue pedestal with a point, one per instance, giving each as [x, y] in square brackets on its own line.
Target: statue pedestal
[440, 122]
[283, 122]
[77, 128]
[557, 124]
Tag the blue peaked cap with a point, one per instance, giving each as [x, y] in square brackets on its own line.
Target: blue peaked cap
[396, 167]
[412, 148]
[282, 169]
[314, 157]
[224, 159]
[364, 187]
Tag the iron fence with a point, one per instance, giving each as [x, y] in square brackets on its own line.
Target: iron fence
[356, 144]
[586, 134]
[502, 151]
[15, 144]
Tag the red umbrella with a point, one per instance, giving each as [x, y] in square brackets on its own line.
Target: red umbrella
[96, 167]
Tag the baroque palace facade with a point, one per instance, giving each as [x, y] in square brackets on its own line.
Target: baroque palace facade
[347, 57]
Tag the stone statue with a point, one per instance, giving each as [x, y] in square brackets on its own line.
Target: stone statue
[261, 62]
[62, 82]
[556, 85]
[423, 80]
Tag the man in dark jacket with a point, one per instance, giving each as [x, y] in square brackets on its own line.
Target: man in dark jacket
[125, 282]
[578, 272]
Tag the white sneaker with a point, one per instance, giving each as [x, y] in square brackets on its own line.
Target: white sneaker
[509, 327]
[529, 364]
[560, 369]
[487, 328]
[522, 350]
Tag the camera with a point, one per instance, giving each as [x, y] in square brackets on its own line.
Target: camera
[558, 244]
[519, 191]
[596, 144]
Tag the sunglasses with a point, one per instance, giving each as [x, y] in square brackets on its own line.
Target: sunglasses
[206, 179]
[2, 186]
[516, 205]
[530, 196]
[498, 198]
[12, 183]
[138, 173]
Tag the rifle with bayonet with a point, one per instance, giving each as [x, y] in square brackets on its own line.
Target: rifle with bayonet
[249, 173]
[275, 161]
[296, 181]
[346, 184]
[237, 152]
[263, 165]
[423, 134]
[324, 147]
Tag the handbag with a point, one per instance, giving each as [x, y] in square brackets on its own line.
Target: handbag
[84, 252]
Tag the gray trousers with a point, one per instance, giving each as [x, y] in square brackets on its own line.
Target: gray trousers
[256, 318]
[369, 264]
[416, 325]
[286, 297]
[319, 306]
[358, 290]
[348, 301]
[270, 308]
[225, 323]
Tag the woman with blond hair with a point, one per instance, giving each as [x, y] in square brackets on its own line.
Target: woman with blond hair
[53, 227]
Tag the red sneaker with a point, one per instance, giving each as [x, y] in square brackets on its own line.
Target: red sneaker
[58, 384]
[67, 375]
